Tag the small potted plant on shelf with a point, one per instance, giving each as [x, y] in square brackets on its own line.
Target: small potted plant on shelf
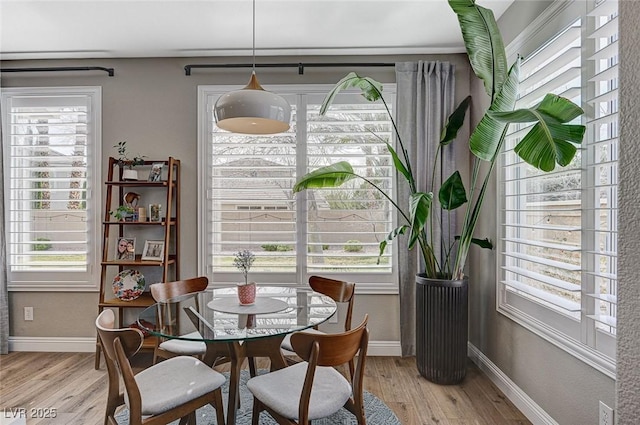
[122, 212]
[128, 173]
[246, 290]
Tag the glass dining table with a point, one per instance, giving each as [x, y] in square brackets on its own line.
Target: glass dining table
[235, 331]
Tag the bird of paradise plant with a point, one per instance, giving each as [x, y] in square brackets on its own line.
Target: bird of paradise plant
[551, 140]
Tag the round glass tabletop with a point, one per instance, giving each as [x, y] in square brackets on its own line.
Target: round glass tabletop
[216, 315]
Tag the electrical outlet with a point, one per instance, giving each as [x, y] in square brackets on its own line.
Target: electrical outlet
[28, 313]
[606, 415]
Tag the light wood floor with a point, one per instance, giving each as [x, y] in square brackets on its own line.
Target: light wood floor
[69, 383]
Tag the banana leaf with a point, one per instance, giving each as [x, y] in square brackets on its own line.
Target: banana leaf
[452, 193]
[550, 141]
[332, 175]
[483, 42]
[371, 89]
[487, 137]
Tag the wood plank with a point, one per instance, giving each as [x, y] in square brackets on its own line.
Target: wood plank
[69, 383]
[495, 396]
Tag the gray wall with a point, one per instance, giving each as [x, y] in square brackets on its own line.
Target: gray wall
[153, 105]
[520, 14]
[628, 350]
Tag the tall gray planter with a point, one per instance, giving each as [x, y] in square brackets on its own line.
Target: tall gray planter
[442, 329]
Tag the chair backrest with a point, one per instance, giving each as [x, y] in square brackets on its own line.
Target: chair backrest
[119, 345]
[337, 290]
[131, 339]
[162, 292]
[332, 349]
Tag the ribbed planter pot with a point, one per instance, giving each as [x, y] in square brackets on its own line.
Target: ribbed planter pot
[442, 329]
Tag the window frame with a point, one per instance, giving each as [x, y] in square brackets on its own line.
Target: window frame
[387, 283]
[555, 328]
[48, 281]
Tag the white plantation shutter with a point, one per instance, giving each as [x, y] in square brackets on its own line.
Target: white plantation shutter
[250, 204]
[559, 229]
[602, 172]
[542, 211]
[250, 200]
[51, 142]
[346, 224]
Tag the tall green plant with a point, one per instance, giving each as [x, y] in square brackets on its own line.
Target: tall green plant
[550, 141]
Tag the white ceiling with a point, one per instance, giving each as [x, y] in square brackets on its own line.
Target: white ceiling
[45, 29]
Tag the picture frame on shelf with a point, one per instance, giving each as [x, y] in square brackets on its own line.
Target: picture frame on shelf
[126, 249]
[154, 212]
[153, 250]
[155, 174]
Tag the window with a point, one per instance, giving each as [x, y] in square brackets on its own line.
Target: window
[250, 204]
[559, 229]
[51, 144]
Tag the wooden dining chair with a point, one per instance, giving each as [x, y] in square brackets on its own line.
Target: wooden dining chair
[339, 291]
[162, 292]
[315, 383]
[170, 390]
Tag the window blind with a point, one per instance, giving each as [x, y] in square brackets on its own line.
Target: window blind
[250, 199]
[542, 214]
[50, 143]
[602, 171]
[250, 203]
[345, 225]
[559, 229]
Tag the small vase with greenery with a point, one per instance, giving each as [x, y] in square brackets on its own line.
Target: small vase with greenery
[247, 290]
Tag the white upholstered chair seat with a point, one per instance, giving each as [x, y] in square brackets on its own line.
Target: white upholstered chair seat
[173, 382]
[281, 390]
[185, 348]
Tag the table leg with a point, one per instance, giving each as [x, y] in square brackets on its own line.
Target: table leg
[266, 347]
[215, 350]
[259, 347]
[236, 352]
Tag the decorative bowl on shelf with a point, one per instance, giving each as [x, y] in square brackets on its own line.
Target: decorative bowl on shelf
[128, 285]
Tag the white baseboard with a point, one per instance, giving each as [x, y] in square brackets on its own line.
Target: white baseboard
[519, 398]
[384, 349]
[88, 345]
[53, 344]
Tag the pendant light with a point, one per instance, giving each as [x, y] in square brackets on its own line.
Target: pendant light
[252, 109]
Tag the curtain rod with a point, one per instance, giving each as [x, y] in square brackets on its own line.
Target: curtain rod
[110, 71]
[301, 66]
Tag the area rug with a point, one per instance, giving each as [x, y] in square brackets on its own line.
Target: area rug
[376, 412]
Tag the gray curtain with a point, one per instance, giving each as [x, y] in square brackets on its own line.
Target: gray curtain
[4, 295]
[425, 98]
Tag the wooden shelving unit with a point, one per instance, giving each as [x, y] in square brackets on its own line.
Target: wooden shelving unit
[167, 229]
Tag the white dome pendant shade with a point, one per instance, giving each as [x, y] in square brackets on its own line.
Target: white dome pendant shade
[252, 110]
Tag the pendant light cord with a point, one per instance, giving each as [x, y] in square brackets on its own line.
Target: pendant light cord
[253, 81]
[254, 36]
